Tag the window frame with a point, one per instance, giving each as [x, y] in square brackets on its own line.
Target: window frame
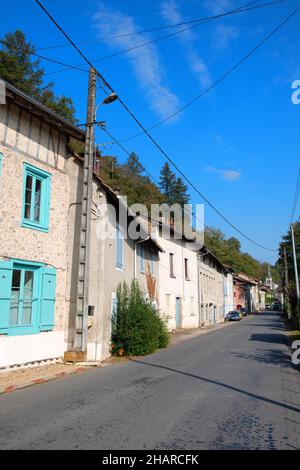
[45, 178]
[119, 230]
[186, 269]
[152, 261]
[114, 306]
[172, 265]
[33, 326]
[142, 258]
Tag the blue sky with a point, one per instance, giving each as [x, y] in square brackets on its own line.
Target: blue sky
[239, 144]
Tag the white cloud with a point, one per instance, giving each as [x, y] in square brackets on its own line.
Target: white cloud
[145, 61]
[170, 12]
[230, 175]
[223, 33]
[216, 7]
[227, 175]
[223, 36]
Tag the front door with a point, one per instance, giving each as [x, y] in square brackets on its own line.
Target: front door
[178, 312]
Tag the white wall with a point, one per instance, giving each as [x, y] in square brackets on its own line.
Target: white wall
[172, 287]
[211, 294]
[228, 297]
[23, 349]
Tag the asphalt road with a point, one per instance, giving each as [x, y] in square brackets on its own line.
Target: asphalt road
[234, 388]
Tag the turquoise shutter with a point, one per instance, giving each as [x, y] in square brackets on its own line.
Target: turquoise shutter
[6, 270]
[48, 299]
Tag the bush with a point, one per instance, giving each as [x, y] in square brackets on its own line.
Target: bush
[137, 328]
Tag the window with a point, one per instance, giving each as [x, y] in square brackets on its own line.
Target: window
[114, 304]
[186, 268]
[36, 198]
[142, 258]
[172, 265]
[119, 248]
[152, 261]
[167, 300]
[27, 297]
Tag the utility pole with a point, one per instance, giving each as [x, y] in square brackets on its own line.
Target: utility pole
[286, 275]
[295, 263]
[82, 307]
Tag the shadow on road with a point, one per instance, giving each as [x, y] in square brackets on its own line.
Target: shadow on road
[267, 356]
[222, 384]
[275, 338]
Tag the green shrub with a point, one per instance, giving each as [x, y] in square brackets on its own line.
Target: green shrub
[137, 328]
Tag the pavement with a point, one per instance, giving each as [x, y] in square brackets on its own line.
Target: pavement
[15, 379]
[235, 388]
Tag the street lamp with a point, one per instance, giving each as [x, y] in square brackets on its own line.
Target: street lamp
[108, 100]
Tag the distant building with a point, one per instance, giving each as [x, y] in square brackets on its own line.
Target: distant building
[211, 288]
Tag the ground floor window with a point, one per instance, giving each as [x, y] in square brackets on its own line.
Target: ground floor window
[27, 297]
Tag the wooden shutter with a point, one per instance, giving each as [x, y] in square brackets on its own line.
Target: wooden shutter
[6, 271]
[48, 299]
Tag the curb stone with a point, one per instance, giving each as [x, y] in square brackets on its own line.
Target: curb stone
[42, 379]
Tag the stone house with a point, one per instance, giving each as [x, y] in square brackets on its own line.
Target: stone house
[211, 288]
[34, 209]
[115, 258]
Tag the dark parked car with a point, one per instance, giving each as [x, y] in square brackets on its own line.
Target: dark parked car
[244, 312]
[276, 307]
[233, 316]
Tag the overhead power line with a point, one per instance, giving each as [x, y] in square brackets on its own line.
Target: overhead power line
[157, 145]
[42, 57]
[155, 180]
[149, 30]
[205, 20]
[216, 82]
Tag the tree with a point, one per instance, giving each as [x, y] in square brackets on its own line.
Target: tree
[180, 194]
[133, 165]
[16, 66]
[233, 244]
[19, 69]
[167, 183]
[229, 252]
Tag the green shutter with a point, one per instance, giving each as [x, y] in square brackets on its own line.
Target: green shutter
[48, 299]
[6, 270]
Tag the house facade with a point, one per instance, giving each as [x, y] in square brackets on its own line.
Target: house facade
[178, 286]
[228, 291]
[211, 276]
[35, 197]
[40, 193]
[115, 257]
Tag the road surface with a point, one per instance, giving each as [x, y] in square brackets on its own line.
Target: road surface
[234, 388]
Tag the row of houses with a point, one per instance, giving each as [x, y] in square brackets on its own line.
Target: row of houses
[41, 182]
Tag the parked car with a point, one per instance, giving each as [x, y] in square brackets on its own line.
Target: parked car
[276, 307]
[235, 315]
[243, 312]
